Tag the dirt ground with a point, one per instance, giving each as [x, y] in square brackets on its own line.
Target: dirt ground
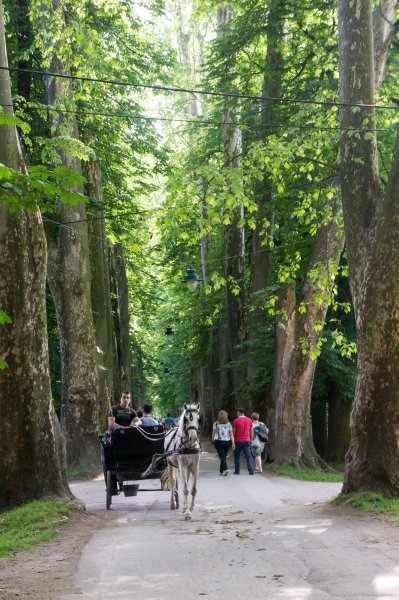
[43, 571]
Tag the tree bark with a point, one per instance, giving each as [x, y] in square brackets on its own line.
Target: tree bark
[123, 336]
[339, 433]
[292, 395]
[319, 427]
[31, 444]
[234, 239]
[384, 29]
[100, 293]
[70, 281]
[261, 257]
[371, 217]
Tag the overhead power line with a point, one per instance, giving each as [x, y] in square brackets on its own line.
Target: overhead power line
[198, 121]
[164, 88]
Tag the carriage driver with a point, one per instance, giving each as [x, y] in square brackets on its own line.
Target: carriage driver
[122, 415]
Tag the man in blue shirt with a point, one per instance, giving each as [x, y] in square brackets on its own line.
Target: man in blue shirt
[147, 418]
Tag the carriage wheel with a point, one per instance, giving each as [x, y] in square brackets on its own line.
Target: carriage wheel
[109, 495]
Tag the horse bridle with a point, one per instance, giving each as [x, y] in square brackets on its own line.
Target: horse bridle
[190, 418]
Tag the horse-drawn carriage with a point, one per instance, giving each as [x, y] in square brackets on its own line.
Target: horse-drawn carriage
[127, 455]
[133, 454]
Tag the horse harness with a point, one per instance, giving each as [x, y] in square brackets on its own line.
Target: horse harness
[182, 449]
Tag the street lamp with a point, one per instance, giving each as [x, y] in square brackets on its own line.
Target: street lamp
[169, 330]
[191, 279]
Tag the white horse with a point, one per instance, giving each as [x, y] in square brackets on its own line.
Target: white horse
[183, 451]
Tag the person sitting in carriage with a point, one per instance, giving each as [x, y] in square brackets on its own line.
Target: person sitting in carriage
[123, 415]
[147, 418]
[120, 416]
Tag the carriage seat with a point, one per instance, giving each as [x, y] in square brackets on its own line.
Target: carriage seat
[135, 444]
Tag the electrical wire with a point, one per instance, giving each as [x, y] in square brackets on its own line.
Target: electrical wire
[65, 226]
[200, 122]
[164, 88]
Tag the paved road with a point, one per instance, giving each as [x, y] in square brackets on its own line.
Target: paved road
[256, 537]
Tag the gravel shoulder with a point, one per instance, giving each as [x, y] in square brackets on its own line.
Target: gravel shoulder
[45, 570]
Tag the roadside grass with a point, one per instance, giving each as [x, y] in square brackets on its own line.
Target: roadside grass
[306, 474]
[371, 502]
[31, 523]
[85, 472]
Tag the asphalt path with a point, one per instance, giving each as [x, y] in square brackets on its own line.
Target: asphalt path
[257, 537]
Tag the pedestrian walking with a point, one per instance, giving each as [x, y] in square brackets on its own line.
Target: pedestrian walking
[223, 439]
[257, 444]
[243, 434]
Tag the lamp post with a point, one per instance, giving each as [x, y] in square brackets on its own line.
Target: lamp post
[191, 279]
[169, 330]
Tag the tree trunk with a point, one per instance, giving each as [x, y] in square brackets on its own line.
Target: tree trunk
[371, 218]
[234, 235]
[319, 427]
[70, 281]
[116, 326]
[294, 440]
[100, 293]
[123, 337]
[339, 433]
[261, 258]
[31, 445]
[284, 340]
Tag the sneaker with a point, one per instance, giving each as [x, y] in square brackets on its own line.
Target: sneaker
[220, 473]
[250, 472]
[226, 472]
[235, 473]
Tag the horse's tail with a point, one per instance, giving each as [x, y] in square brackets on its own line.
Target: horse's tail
[166, 483]
[152, 466]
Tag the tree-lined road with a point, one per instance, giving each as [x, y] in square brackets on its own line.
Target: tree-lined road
[250, 537]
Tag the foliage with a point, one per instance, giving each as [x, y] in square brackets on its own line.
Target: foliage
[32, 523]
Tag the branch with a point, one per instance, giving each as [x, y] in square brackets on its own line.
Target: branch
[384, 30]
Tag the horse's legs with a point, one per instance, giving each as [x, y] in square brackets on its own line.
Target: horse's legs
[173, 493]
[194, 473]
[184, 474]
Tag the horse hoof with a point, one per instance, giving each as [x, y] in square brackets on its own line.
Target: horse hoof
[187, 517]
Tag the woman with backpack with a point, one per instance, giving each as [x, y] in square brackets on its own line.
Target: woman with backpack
[258, 441]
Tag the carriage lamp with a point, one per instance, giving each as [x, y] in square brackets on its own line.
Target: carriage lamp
[166, 370]
[169, 330]
[191, 279]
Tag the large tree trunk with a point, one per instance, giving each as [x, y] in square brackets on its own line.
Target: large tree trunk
[371, 219]
[100, 293]
[70, 280]
[31, 445]
[294, 440]
[123, 336]
[234, 238]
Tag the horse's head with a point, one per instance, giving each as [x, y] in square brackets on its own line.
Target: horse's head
[191, 420]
